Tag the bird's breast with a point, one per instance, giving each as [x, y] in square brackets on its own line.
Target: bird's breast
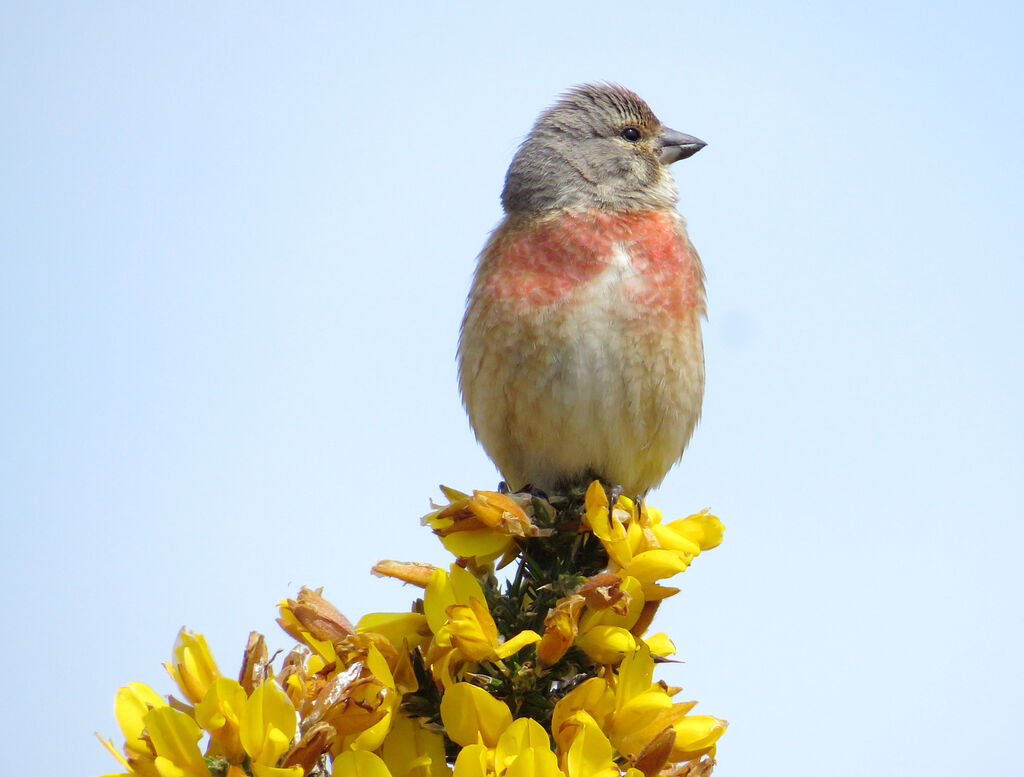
[640, 260]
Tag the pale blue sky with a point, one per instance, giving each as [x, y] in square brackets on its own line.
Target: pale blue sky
[234, 248]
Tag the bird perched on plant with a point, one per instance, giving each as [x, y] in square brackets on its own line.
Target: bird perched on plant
[580, 353]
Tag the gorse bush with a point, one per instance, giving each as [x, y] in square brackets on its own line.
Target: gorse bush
[548, 674]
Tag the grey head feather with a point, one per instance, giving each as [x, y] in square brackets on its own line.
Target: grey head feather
[577, 156]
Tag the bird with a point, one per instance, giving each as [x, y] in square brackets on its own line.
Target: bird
[580, 354]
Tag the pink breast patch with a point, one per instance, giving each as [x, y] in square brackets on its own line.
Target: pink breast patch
[549, 261]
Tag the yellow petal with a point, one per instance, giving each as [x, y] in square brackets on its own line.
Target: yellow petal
[446, 589]
[411, 750]
[634, 537]
[640, 722]
[397, 627]
[174, 736]
[634, 676]
[465, 586]
[468, 634]
[606, 526]
[590, 753]
[625, 503]
[703, 528]
[443, 659]
[522, 734]
[453, 495]
[471, 715]
[642, 710]
[165, 767]
[268, 725]
[360, 763]
[696, 735]
[518, 642]
[372, 737]
[438, 598]
[473, 631]
[261, 770]
[599, 521]
[659, 644]
[654, 565]
[472, 762]
[606, 644]
[483, 545]
[131, 705]
[594, 696]
[670, 539]
[595, 497]
[109, 745]
[379, 668]
[537, 762]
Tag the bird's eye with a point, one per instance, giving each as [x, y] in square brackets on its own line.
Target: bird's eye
[632, 134]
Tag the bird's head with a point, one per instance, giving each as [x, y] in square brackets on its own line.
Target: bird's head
[598, 146]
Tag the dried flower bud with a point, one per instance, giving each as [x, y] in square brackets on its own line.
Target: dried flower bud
[560, 629]
[656, 752]
[318, 616]
[701, 768]
[603, 591]
[317, 741]
[414, 572]
[646, 617]
[255, 663]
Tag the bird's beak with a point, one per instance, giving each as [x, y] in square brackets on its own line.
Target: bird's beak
[678, 145]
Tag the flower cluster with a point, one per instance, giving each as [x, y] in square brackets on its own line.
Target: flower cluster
[549, 674]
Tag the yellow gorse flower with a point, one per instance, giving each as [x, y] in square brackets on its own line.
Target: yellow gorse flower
[221, 713]
[481, 527]
[455, 687]
[492, 742]
[640, 546]
[632, 712]
[457, 613]
[193, 667]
